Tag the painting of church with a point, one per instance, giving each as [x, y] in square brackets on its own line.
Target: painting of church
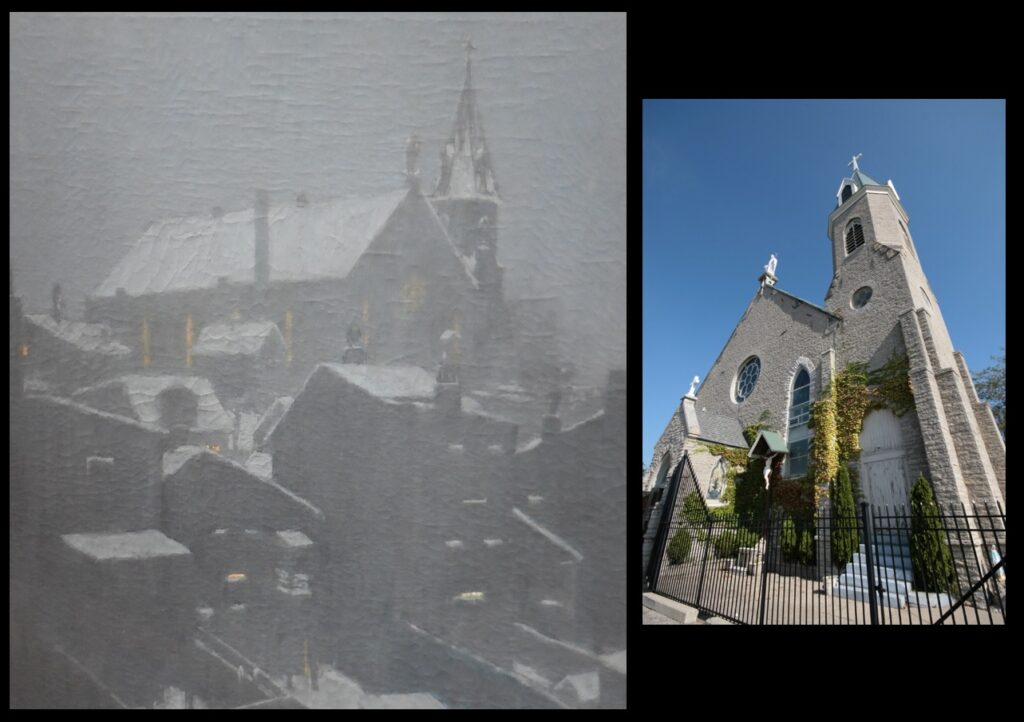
[785, 351]
[389, 274]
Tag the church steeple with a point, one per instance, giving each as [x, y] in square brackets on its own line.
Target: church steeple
[465, 162]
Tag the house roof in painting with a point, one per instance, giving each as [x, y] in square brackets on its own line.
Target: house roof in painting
[139, 394]
[237, 339]
[316, 240]
[91, 337]
[392, 383]
[146, 544]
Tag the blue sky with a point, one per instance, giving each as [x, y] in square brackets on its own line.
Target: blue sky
[728, 182]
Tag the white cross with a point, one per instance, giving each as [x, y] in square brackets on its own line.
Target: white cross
[854, 162]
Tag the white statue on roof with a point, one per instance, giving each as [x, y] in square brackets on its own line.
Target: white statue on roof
[772, 263]
[693, 386]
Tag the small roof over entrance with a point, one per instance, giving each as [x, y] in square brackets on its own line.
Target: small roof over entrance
[766, 444]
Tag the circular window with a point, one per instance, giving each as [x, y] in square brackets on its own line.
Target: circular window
[747, 379]
[861, 297]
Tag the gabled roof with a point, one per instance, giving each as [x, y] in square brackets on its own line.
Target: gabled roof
[766, 443]
[91, 337]
[393, 383]
[815, 306]
[720, 429]
[863, 179]
[237, 339]
[319, 240]
[142, 394]
[268, 422]
[146, 544]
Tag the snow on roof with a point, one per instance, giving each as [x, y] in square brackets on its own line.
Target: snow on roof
[176, 458]
[94, 337]
[268, 422]
[90, 411]
[529, 445]
[548, 534]
[261, 465]
[293, 538]
[230, 339]
[143, 393]
[388, 382]
[321, 240]
[131, 545]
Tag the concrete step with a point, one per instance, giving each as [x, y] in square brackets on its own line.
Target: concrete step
[884, 560]
[892, 550]
[895, 586]
[670, 608]
[894, 601]
[860, 567]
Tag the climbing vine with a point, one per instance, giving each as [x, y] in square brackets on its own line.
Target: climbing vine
[838, 417]
[824, 452]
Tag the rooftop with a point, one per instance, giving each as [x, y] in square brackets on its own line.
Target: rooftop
[93, 337]
[396, 383]
[236, 339]
[147, 544]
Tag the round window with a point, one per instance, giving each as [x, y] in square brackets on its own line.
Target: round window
[861, 297]
[747, 379]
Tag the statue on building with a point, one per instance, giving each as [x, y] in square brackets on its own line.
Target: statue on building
[772, 263]
[354, 353]
[58, 310]
[693, 386]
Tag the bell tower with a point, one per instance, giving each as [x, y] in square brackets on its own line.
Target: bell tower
[880, 291]
[466, 196]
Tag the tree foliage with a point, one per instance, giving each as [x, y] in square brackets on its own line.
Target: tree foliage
[844, 524]
[929, 549]
[991, 386]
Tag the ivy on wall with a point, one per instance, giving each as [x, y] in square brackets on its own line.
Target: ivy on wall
[838, 418]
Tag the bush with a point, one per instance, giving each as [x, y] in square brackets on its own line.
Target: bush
[693, 509]
[797, 542]
[929, 552]
[787, 540]
[722, 513]
[728, 542]
[750, 492]
[844, 525]
[679, 547]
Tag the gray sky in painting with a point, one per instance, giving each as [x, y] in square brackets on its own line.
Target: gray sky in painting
[119, 121]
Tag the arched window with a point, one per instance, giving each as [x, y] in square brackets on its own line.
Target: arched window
[800, 408]
[847, 192]
[799, 433]
[854, 236]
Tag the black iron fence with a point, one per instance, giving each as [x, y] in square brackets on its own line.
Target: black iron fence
[784, 568]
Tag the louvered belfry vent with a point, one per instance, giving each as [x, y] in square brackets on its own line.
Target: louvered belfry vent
[854, 237]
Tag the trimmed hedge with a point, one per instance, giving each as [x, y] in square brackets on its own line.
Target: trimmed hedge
[728, 543]
[693, 509]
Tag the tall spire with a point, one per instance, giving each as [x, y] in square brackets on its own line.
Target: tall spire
[465, 162]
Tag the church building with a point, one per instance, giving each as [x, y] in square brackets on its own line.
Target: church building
[389, 275]
[785, 350]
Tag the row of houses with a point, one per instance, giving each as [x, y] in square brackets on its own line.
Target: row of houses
[378, 514]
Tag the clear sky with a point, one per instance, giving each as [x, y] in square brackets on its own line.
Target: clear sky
[726, 183]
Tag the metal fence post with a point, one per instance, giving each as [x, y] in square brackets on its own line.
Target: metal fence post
[704, 565]
[764, 562]
[869, 536]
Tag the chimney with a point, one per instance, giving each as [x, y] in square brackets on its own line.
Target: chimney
[262, 239]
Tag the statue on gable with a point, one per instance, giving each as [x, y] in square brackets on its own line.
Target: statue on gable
[772, 263]
[693, 386]
[354, 353]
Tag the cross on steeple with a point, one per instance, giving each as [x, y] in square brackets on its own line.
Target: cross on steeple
[854, 162]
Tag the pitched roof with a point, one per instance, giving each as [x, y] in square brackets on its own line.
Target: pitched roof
[236, 339]
[863, 179]
[319, 240]
[268, 422]
[815, 306]
[143, 392]
[394, 383]
[92, 337]
[132, 545]
[768, 442]
[720, 429]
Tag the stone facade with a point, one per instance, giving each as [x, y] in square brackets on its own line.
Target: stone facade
[950, 436]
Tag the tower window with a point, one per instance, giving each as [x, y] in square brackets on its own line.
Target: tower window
[747, 379]
[861, 297]
[847, 192]
[854, 236]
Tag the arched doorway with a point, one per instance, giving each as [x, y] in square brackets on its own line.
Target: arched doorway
[882, 475]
